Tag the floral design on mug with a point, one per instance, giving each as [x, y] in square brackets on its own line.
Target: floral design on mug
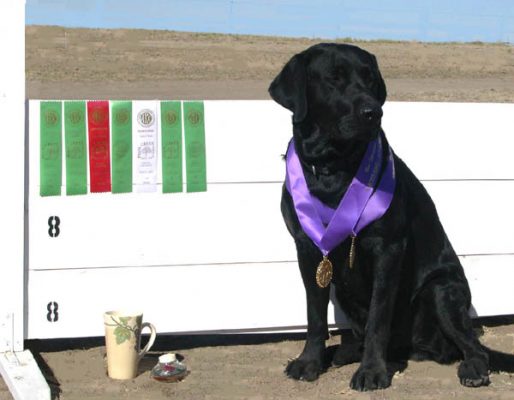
[123, 330]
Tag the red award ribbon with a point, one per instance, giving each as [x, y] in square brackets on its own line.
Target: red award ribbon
[99, 147]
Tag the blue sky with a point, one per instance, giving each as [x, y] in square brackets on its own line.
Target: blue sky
[435, 20]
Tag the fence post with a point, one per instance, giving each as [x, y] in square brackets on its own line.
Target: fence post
[18, 367]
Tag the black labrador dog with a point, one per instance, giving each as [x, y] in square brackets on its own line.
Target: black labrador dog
[406, 296]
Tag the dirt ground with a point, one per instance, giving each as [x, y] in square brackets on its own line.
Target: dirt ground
[142, 64]
[79, 63]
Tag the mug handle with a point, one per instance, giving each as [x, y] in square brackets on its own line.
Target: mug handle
[153, 334]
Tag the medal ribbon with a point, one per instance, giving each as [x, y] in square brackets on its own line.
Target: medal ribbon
[99, 154]
[360, 205]
[194, 137]
[144, 123]
[121, 112]
[75, 145]
[171, 144]
[50, 148]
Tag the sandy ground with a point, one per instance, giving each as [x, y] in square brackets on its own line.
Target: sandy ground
[250, 367]
[79, 63]
[84, 63]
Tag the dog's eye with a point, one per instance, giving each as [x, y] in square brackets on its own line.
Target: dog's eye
[366, 74]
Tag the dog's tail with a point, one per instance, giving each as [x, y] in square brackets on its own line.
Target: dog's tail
[499, 361]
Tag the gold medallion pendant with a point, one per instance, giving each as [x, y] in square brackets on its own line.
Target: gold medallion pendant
[324, 273]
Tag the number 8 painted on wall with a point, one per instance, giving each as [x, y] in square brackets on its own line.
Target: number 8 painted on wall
[53, 226]
[52, 315]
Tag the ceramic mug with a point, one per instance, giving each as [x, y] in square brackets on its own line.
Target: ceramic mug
[123, 342]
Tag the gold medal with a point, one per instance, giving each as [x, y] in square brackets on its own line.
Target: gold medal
[351, 257]
[324, 273]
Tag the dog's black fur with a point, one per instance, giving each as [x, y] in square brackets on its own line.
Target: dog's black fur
[407, 296]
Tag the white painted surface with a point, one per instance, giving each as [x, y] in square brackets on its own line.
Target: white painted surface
[12, 115]
[231, 224]
[226, 255]
[452, 140]
[199, 298]
[23, 377]
[18, 368]
[490, 279]
[245, 140]
[439, 141]
[175, 299]
[226, 224]
[477, 216]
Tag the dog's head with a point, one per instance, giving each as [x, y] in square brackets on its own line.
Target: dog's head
[335, 88]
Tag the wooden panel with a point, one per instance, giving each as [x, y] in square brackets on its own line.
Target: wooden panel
[452, 140]
[477, 215]
[231, 223]
[245, 140]
[227, 224]
[12, 166]
[226, 253]
[219, 298]
[490, 279]
[175, 299]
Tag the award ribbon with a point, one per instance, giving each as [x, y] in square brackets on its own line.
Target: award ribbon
[144, 125]
[171, 145]
[99, 157]
[50, 148]
[121, 112]
[75, 147]
[367, 199]
[194, 137]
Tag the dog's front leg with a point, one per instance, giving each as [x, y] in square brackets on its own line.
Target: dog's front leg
[372, 373]
[310, 363]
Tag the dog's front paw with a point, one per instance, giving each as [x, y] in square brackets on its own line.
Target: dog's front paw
[304, 369]
[473, 372]
[370, 378]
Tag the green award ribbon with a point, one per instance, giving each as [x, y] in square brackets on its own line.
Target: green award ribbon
[194, 137]
[75, 147]
[171, 142]
[50, 148]
[121, 146]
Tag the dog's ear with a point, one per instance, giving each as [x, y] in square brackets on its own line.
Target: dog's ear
[290, 86]
[381, 87]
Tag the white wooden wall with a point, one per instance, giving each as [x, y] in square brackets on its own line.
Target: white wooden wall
[12, 117]
[18, 367]
[222, 260]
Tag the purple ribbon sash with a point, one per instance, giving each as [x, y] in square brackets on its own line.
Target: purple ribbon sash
[363, 202]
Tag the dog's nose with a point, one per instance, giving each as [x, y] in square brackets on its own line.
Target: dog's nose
[370, 113]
